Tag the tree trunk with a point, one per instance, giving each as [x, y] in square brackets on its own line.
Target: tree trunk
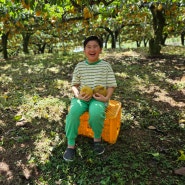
[113, 40]
[164, 39]
[145, 41]
[50, 50]
[106, 40]
[4, 44]
[114, 36]
[138, 43]
[158, 25]
[41, 47]
[182, 38]
[26, 38]
[154, 47]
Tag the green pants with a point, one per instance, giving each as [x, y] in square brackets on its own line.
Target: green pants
[96, 111]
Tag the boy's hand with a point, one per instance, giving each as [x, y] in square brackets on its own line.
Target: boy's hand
[100, 97]
[84, 97]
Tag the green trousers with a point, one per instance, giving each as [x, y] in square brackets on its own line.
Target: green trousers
[96, 111]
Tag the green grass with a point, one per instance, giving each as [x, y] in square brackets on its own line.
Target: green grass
[34, 98]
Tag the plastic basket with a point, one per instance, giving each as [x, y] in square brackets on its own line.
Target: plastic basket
[111, 124]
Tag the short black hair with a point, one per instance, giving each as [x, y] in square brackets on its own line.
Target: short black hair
[95, 38]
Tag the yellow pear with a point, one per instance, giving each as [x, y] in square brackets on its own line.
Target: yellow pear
[160, 7]
[86, 90]
[100, 89]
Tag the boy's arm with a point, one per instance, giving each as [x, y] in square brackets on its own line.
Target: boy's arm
[110, 91]
[75, 90]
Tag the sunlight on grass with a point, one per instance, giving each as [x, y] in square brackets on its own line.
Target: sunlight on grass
[49, 108]
[179, 50]
[144, 80]
[179, 86]
[55, 69]
[6, 67]
[61, 84]
[159, 74]
[127, 116]
[163, 96]
[5, 78]
[43, 147]
[123, 75]
[131, 53]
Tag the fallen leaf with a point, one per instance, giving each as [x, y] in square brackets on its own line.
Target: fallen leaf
[21, 123]
[180, 171]
[152, 128]
[182, 121]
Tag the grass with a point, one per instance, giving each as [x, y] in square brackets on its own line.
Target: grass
[34, 97]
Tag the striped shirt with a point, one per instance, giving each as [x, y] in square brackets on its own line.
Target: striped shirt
[98, 73]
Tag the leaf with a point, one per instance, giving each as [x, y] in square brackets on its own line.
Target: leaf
[156, 154]
[17, 117]
[182, 121]
[152, 127]
[182, 157]
[180, 171]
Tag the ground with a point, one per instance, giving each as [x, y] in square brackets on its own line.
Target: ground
[152, 93]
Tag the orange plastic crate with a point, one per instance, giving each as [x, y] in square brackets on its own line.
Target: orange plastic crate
[111, 124]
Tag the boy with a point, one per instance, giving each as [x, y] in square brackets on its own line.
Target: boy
[91, 72]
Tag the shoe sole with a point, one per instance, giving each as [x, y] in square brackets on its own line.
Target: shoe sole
[68, 160]
[100, 152]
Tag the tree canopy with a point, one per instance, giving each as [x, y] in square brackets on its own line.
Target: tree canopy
[68, 22]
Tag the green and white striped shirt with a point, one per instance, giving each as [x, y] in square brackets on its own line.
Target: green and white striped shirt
[98, 73]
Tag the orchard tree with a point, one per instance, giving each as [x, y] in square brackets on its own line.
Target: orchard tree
[72, 20]
[12, 22]
[175, 21]
[5, 29]
[136, 25]
[160, 12]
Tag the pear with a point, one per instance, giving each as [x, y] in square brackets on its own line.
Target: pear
[86, 90]
[100, 89]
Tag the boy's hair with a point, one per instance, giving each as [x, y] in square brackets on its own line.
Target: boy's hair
[94, 38]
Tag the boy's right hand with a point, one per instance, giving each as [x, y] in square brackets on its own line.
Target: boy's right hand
[84, 97]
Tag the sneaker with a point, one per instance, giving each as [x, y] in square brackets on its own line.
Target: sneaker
[98, 148]
[69, 154]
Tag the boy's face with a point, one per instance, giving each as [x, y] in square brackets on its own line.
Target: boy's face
[92, 51]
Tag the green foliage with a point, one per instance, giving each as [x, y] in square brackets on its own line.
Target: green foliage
[64, 21]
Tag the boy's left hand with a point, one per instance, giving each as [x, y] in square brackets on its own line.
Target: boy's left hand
[100, 97]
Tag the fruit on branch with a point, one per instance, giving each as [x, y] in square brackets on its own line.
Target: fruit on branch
[38, 13]
[170, 28]
[86, 13]
[160, 7]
